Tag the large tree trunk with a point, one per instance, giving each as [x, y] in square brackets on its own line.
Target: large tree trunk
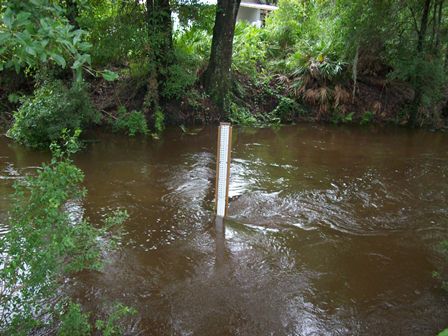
[418, 87]
[216, 77]
[160, 54]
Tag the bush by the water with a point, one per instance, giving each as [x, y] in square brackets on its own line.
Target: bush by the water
[130, 123]
[53, 107]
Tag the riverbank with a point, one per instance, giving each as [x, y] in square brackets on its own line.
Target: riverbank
[274, 100]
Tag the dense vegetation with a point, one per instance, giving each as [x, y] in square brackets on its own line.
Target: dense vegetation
[329, 60]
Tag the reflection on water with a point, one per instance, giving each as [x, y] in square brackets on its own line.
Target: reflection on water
[331, 230]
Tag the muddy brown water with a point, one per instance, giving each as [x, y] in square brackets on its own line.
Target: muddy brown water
[331, 230]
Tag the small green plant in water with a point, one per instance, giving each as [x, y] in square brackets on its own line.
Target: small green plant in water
[339, 118]
[367, 118]
[74, 322]
[113, 325]
[130, 123]
[159, 121]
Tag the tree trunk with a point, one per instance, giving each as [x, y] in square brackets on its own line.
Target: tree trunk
[418, 87]
[160, 54]
[216, 77]
[423, 26]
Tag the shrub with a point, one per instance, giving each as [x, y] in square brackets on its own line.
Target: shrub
[118, 31]
[113, 325]
[241, 115]
[341, 118]
[287, 109]
[367, 118]
[180, 78]
[249, 48]
[74, 322]
[159, 121]
[195, 43]
[44, 246]
[130, 123]
[52, 108]
[192, 48]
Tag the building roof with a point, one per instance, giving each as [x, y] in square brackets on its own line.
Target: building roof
[258, 6]
[246, 4]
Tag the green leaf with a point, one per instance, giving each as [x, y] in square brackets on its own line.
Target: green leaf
[84, 46]
[16, 65]
[4, 36]
[77, 36]
[443, 333]
[78, 73]
[109, 75]
[30, 50]
[43, 57]
[22, 17]
[7, 18]
[58, 59]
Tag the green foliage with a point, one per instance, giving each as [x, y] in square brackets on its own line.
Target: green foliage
[196, 15]
[443, 333]
[241, 116]
[181, 76]
[195, 43]
[117, 30]
[35, 33]
[367, 118]
[341, 118]
[74, 322]
[430, 78]
[249, 48]
[114, 325]
[301, 31]
[130, 123]
[44, 246]
[442, 274]
[287, 109]
[52, 108]
[110, 76]
[159, 121]
[192, 49]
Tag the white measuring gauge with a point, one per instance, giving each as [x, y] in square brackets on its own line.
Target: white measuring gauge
[223, 168]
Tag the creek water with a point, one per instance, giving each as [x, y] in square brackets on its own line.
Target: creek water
[330, 230]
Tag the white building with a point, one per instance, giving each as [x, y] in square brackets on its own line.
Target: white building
[253, 11]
